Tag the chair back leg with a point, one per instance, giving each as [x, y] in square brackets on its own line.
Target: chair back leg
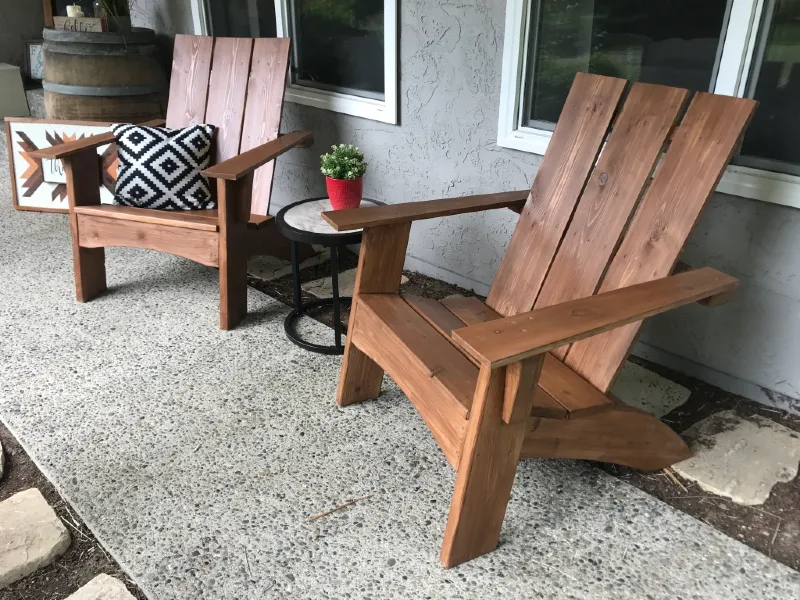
[488, 464]
[83, 189]
[233, 198]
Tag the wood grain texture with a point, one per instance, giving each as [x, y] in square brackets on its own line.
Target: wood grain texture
[376, 216]
[701, 148]
[245, 163]
[188, 90]
[199, 246]
[227, 92]
[623, 435]
[262, 117]
[570, 156]
[485, 472]
[205, 220]
[435, 376]
[434, 313]
[49, 20]
[611, 194]
[83, 189]
[234, 213]
[380, 268]
[562, 393]
[10, 155]
[501, 342]
[521, 382]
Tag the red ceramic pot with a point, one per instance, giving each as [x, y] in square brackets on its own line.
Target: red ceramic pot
[345, 193]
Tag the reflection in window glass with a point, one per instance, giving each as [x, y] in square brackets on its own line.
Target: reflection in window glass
[338, 45]
[773, 139]
[672, 43]
[242, 18]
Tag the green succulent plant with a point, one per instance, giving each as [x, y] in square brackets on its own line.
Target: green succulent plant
[344, 161]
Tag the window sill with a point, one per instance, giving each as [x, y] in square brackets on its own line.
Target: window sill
[367, 108]
[755, 184]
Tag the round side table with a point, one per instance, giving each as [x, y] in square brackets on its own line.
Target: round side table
[302, 222]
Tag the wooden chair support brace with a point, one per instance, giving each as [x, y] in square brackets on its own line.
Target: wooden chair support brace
[511, 339]
[234, 198]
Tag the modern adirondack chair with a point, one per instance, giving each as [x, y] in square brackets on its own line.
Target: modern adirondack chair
[527, 373]
[236, 84]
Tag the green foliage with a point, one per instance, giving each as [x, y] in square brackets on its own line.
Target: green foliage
[338, 11]
[345, 161]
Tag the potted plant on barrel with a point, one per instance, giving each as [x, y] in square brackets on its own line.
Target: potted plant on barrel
[344, 169]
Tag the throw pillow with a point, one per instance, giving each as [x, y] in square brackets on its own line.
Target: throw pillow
[160, 168]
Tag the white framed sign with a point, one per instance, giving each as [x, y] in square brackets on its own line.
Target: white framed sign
[41, 184]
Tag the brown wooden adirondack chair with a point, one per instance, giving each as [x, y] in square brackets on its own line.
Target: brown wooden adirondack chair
[236, 84]
[526, 374]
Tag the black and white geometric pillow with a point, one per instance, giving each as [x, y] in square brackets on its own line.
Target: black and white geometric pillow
[160, 168]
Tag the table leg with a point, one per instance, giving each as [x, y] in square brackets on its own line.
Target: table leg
[337, 318]
[296, 276]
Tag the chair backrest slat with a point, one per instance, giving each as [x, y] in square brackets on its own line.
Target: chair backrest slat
[701, 147]
[188, 90]
[612, 192]
[262, 117]
[573, 150]
[227, 93]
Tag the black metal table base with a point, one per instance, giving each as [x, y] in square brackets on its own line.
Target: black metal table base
[297, 313]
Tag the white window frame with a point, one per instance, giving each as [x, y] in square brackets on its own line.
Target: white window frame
[384, 110]
[734, 68]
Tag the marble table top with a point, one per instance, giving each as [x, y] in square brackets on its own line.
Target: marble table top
[306, 216]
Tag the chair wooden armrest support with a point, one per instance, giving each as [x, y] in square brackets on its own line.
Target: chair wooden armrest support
[376, 216]
[70, 148]
[512, 339]
[245, 163]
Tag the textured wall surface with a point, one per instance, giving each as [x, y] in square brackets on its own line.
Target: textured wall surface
[450, 59]
[19, 21]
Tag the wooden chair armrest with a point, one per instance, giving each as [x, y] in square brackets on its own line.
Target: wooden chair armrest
[375, 216]
[70, 148]
[512, 339]
[245, 163]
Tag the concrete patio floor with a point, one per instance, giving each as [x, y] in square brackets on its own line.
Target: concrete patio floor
[197, 457]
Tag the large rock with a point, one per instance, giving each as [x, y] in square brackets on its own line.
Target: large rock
[103, 587]
[31, 536]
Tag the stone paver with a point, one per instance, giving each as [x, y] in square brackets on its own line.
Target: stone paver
[103, 587]
[648, 391]
[31, 536]
[322, 288]
[269, 268]
[740, 458]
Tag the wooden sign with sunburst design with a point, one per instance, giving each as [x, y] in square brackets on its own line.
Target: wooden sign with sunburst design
[41, 185]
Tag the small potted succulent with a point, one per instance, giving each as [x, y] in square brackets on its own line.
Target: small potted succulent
[344, 169]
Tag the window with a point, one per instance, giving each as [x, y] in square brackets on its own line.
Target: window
[736, 47]
[344, 52]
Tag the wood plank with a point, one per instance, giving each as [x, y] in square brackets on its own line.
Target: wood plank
[521, 384]
[245, 163]
[93, 141]
[200, 246]
[376, 216]
[438, 380]
[701, 148]
[227, 91]
[83, 189]
[501, 342]
[485, 473]
[49, 18]
[188, 89]
[434, 313]
[573, 149]
[234, 212]
[562, 393]
[10, 155]
[623, 435]
[205, 220]
[611, 194]
[264, 107]
[380, 267]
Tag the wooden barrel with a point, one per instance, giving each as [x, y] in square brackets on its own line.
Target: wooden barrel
[103, 76]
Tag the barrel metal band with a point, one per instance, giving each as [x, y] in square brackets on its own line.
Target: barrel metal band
[85, 90]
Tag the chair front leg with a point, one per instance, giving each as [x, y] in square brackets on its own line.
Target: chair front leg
[488, 464]
[83, 189]
[233, 198]
[380, 268]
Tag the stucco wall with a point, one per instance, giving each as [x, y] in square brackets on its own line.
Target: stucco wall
[450, 58]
